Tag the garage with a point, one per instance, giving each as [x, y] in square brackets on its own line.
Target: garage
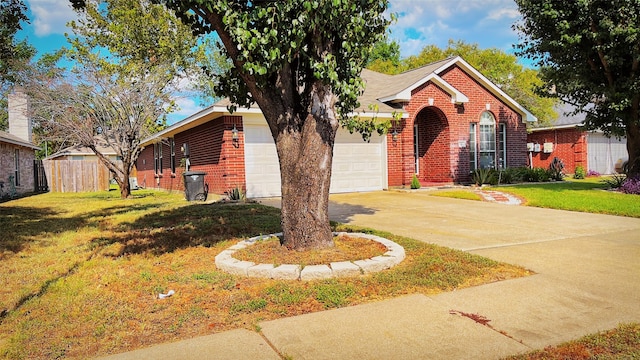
[357, 165]
[605, 153]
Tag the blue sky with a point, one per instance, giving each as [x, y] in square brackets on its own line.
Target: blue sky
[420, 23]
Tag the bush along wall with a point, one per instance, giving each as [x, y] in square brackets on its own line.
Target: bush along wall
[518, 175]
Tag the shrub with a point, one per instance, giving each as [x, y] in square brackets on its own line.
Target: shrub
[615, 182]
[520, 173]
[505, 176]
[631, 186]
[481, 176]
[536, 175]
[415, 183]
[593, 173]
[556, 169]
[579, 173]
[236, 194]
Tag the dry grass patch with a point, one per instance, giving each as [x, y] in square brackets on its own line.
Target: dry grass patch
[80, 273]
[622, 342]
[346, 248]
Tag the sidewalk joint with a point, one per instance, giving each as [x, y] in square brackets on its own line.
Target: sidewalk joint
[273, 347]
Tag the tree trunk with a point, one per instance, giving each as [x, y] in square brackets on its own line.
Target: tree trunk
[633, 149]
[306, 156]
[123, 183]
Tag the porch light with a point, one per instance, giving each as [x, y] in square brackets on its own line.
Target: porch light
[234, 134]
[394, 135]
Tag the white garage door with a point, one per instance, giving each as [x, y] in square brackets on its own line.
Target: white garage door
[357, 165]
[604, 153]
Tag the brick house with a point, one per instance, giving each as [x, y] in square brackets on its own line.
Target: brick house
[453, 120]
[17, 152]
[574, 146]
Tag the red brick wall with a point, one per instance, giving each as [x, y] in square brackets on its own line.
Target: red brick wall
[569, 145]
[444, 160]
[211, 150]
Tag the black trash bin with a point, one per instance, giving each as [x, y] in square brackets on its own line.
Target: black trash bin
[194, 187]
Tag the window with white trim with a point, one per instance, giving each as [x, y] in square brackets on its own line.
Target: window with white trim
[502, 145]
[172, 149]
[487, 141]
[157, 157]
[473, 147]
[17, 167]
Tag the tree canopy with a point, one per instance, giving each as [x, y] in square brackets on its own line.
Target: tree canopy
[385, 56]
[501, 68]
[300, 61]
[589, 54]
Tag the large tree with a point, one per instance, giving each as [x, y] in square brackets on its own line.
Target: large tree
[589, 52]
[14, 55]
[300, 61]
[130, 55]
[498, 66]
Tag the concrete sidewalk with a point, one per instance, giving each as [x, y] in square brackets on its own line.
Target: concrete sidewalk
[586, 280]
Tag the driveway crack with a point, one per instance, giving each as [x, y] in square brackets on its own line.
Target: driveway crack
[482, 320]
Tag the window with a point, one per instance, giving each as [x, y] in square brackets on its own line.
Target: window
[17, 167]
[157, 157]
[502, 145]
[473, 154]
[487, 143]
[172, 149]
[485, 149]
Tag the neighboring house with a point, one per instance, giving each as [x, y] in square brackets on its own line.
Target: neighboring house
[17, 152]
[575, 147]
[81, 153]
[77, 169]
[454, 120]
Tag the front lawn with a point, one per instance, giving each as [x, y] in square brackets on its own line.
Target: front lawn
[588, 195]
[80, 274]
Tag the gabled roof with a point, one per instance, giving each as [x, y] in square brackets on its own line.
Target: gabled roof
[12, 139]
[384, 91]
[79, 150]
[207, 114]
[383, 96]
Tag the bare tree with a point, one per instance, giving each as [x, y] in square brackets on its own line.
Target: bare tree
[98, 111]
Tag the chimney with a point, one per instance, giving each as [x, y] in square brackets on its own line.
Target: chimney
[19, 122]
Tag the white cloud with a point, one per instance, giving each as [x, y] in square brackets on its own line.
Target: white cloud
[51, 16]
[504, 13]
[425, 22]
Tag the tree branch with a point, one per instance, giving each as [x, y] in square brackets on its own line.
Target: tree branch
[601, 54]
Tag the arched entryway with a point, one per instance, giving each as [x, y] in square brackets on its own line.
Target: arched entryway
[431, 146]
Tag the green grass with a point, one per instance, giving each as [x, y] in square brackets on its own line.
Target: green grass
[622, 342]
[588, 195]
[80, 274]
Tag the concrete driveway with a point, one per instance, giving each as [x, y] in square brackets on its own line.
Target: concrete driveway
[587, 265]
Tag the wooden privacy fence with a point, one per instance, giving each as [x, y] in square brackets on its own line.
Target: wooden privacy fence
[76, 175]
